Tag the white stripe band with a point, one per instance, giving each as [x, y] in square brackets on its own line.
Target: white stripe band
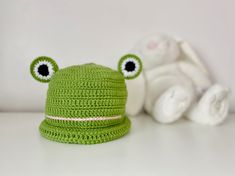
[84, 119]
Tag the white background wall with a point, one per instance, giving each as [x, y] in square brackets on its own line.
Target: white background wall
[76, 31]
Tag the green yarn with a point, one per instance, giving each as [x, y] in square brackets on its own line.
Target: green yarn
[84, 136]
[86, 91]
[85, 104]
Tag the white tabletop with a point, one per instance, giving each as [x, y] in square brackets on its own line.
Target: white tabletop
[150, 149]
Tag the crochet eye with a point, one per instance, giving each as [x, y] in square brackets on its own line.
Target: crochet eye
[130, 66]
[42, 68]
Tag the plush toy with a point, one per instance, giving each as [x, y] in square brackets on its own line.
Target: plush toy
[175, 83]
[85, 103]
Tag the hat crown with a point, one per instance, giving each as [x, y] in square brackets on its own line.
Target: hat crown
[86, 91]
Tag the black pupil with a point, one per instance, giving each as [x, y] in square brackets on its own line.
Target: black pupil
[130, 66]
[43, 70]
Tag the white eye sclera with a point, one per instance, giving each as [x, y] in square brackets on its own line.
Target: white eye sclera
[42, 68]
[130, 66]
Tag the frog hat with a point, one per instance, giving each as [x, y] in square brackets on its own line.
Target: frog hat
[85, 103]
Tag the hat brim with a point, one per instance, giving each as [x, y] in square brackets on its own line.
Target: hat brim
[84, 136]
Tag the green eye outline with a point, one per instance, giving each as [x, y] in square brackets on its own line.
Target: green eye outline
[134, 62]
[41, 63]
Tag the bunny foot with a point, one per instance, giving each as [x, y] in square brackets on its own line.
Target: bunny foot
[172, 104]
[212, 108]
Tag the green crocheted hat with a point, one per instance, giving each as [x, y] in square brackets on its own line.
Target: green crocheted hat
[85, 103]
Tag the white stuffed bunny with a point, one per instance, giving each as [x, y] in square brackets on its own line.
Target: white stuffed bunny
[175, 84]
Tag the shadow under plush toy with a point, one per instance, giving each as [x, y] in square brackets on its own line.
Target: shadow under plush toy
[85, 103]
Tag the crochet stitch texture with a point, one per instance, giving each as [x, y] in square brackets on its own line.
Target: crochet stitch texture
[85, 104]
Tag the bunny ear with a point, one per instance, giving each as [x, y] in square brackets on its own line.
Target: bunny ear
[42, 68]
[130, 66]
[191, 55]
